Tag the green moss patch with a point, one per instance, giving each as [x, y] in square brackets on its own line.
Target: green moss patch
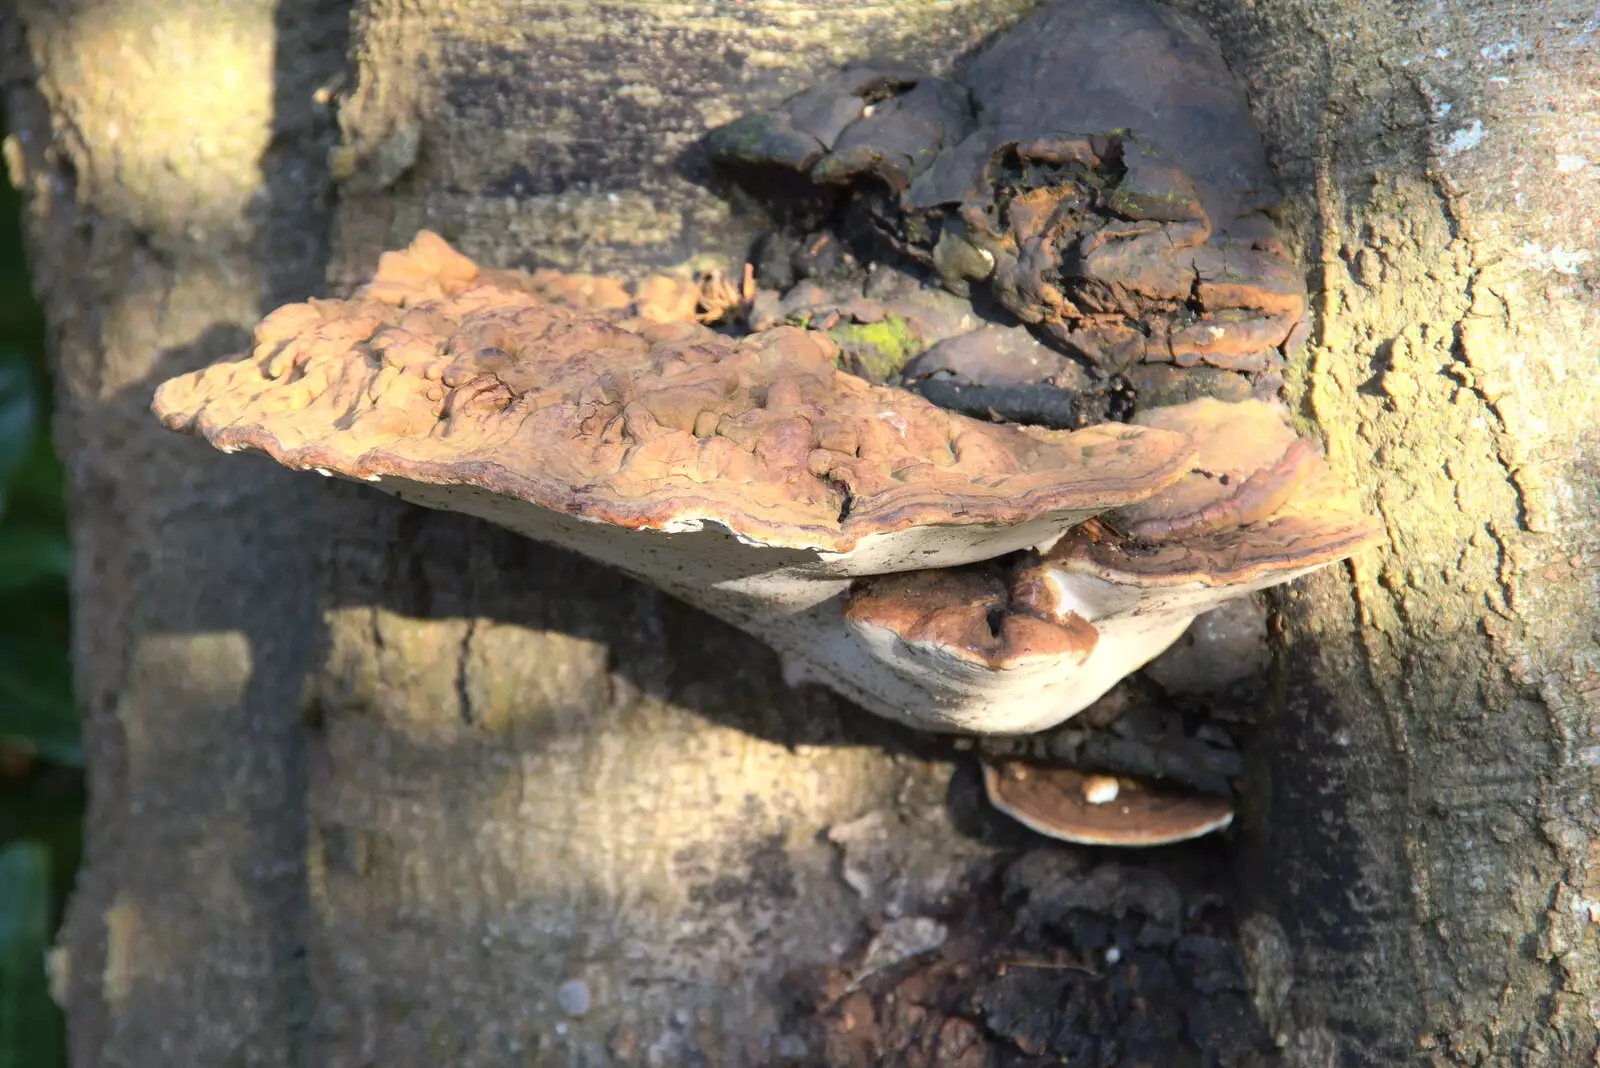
[877, 351]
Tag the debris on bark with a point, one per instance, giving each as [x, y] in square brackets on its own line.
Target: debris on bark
[1051, 961]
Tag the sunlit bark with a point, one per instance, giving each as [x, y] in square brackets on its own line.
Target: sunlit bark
[370, 785]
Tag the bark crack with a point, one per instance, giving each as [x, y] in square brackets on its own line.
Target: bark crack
[467, 708]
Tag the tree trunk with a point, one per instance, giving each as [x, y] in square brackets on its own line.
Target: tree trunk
[1428, 782]
[380, 786]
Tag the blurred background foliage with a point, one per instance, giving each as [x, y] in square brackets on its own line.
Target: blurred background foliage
[41, 751]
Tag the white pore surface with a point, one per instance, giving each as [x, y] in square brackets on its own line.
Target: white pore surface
[1136, 623]
[942, 692]
[793, 599]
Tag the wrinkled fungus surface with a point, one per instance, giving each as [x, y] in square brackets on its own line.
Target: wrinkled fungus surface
[434, 373]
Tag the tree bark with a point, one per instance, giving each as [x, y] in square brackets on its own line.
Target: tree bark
[381, 786]
[173, 154]
[1428, 783]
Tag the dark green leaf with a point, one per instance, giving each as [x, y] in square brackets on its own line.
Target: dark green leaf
[44, 803]
[36, 614]
[30, 1024]
[36, 490]
[36, 705]
[18, 414]
[29, 555]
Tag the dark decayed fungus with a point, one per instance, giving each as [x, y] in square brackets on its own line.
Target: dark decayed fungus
[1095, 171]
[756, 480]
[1100, 809]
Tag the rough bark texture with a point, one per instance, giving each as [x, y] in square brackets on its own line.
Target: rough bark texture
[1426, 802]
[174, 160]
[371, 784]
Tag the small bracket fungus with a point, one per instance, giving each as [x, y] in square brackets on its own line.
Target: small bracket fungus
[834, 519]
[1258, 507]
[1100, 809]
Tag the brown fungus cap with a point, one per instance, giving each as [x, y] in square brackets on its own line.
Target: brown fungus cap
[1258, 502]
[1258, 507]
[430, 269]
[965, 615]
[767, 476]
[1249, 464]
[1099, 809]
[422, 376]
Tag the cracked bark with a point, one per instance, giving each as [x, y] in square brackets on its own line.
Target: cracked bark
[1439, 719]
[302, 852]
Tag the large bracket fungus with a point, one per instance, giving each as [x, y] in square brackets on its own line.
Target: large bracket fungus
[1000, 425]
[939, 570]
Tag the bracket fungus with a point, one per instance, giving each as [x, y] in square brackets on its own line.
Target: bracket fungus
[1258, 507]
[1100, 809]
[1005, 432]
[890, 544]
